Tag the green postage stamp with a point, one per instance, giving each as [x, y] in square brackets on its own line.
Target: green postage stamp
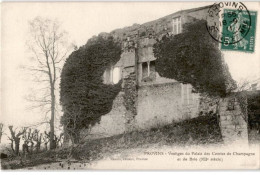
[239, 29]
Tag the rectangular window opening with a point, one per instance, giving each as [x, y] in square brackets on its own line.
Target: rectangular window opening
[148, 71]
[177, 28]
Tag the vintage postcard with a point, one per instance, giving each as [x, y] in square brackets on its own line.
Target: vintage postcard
[130, 85]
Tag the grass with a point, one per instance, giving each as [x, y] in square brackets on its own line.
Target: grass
[198, 131]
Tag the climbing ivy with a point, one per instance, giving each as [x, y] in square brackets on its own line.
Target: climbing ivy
[194, 57]
[83, 96]
[130, 93]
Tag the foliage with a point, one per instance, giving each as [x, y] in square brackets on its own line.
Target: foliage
[194, 57]
[130, 93]
[143, 34]
[253, 98]
[84, 96]
[253, 109]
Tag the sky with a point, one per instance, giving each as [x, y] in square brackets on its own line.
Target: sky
[82, 21]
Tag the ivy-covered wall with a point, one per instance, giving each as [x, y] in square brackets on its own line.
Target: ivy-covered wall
[194, 57]
[111, 110]
[130, 100]
[84, 96]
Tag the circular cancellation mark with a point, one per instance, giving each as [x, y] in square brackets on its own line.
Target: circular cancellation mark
[228, 22]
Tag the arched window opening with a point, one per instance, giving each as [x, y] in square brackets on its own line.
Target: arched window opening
[116, 75]
[112, 75]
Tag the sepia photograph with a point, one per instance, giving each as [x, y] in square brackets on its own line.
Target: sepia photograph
[130, 86]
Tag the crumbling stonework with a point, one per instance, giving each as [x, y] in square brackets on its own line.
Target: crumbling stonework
[232, 118]
[233, 121]
[110, 124]
[148, 100]
[159, 27]
[130, 101]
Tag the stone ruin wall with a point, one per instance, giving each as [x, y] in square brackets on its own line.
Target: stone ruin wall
[162, 101]
[151, 104]
[161, 105]
[165, 101]
[232, 119]
[158, 105]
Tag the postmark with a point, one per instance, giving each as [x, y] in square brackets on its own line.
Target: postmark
[232, 25]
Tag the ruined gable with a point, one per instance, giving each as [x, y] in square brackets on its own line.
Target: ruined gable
[148, 99]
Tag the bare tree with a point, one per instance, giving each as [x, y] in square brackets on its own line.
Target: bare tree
[59, 140]
[46, 139]
[49, 48]
[28, 138]
[37, 137]
[15, 138]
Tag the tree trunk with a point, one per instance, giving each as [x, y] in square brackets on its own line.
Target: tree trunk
[72, 148]
[38, 146]
[52, 141]
[17, 144]
[76, 137]
[12, 146]
[46, 146]
[32, 144]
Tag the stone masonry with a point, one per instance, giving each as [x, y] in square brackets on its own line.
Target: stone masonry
[233, 121]
[148, 100]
